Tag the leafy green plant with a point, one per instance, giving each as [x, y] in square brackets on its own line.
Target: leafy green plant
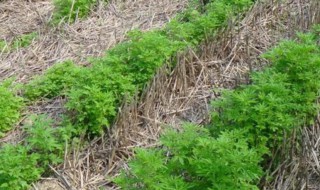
[41, 130]
[71, 9]
[10, 106]
[279, 99]
[93, 107]
[24, 40]
[192, 159]
[18, 168]
[143, 54]
[24, 163]
[57, 78]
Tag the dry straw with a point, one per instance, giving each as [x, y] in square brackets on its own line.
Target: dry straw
[176, 94]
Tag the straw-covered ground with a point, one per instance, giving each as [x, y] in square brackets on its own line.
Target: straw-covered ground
[176, 95]
[106, 26]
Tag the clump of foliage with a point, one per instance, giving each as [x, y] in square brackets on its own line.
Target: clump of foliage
[92, 108]
[93, 93]
[95, 96]
[59, 77]
[247, 124]
[19, 42]
[71, 9]
[24, 163]
[24, 40]
[10, 105]
[43, 139]
[279, 99]
[193, 159]
[18, 167]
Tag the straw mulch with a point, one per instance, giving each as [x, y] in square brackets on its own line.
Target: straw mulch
[170, 99]
[185, 93]
[105, 27]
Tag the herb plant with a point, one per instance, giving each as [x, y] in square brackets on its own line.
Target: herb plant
[192, 159]
[41, 130]
[56, 79]
[70, 10]
[18, 168]
[10, 105]
[280, 98]
[24, 40]
[24, 163]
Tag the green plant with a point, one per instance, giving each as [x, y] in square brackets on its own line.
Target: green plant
[18, 168]
[279, 99]
[93, 108]
[24, 163]
[23, 40]
[57, 78]
[192, 159]
[71, 9]
[142, 55]
[10, 106]
[43, 139]
[4, 46]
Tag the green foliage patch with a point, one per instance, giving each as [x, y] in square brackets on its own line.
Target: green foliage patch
[44, 139]
[10, 105]
[279, 99]
[247, 124]
[24, 163]
[19, 42]
[59, 77]
[70, 10]
[18, 168]
[195, 160]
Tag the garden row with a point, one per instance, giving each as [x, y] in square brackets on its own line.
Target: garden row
[247, 125]
[94, 93]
